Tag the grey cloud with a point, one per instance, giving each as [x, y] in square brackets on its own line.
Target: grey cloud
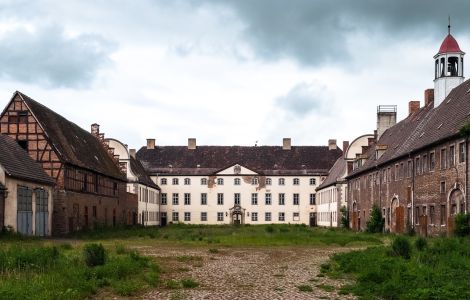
[48, 57]
[304, 99]
[317, 32]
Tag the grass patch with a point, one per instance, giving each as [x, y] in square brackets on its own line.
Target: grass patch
[438, 270]
[35, 271]
[305, 288]
[326, 287]
[189, 283]
[214, 250]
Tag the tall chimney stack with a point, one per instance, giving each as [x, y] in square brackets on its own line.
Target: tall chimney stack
[95, 129]
[286, 144]
[191, 143]
[386, 118]
[345, 148]
[413, 107]
[150, 144]
[132, 153]
[332, 144]
[429, 97]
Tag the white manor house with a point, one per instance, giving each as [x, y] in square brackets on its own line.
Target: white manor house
[238, 184]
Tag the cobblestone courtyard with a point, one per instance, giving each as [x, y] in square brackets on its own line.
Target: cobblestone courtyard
[246, 273]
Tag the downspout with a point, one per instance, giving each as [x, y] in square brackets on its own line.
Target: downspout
[412, 192]
[466, 174]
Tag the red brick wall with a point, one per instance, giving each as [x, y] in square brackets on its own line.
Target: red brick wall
[426, 190]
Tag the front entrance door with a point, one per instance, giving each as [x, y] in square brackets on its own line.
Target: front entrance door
[237, 218]
[313, 219]
[237, 214]
[163, 219]
[42, 212]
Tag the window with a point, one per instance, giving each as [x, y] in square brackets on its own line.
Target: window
[409, 170]
[296, 181]
[95, 213]
[175, 198]
[461, 152]
[163, 199]
[187, 181]
[296, 199]
[267, 217]
[175, 216]
[220, 181]
[443, 187]
[296, 216]
[431, 214]
[187, 199]
[402, 171]
[175, 181]
[281, 181]
[267, 199]
[187, 216]
[313, 181]
[443, 214]
[452, 156]
[282, 199]
[220, 216]
[417, 215]
[236, 199]
[163, 181]
[269, 181]
[203, 181]
[443, 159]
[312, 199]
[254, 199]
[254, 216]
[254, 181]
[432, 161]
[236, 181]
[204, 216]
[282, 217]
[417, 166]
[203, 198]
[220, 199]
[425, 163]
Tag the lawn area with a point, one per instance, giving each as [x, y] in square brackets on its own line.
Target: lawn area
[32, 268]
[410, 268]
[230, 235]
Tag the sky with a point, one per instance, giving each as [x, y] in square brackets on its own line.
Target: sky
[240, 72]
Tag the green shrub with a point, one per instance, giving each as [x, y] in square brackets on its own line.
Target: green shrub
[173, 284]
[95, 255]
[189, 283]
[461, 225]
[121, 249]
[125, 287]
[421, 243]
[344, 217]
[66, 246]
[375, 224]
[269, 229]
[410, 231]
[401, 247]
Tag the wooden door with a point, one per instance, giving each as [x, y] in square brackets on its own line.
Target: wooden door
[42, 213]
[354, 221]
[24, 218]
[399, 219]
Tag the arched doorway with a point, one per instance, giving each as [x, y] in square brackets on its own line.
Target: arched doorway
[397, 216]
[237, 215]
[456, 202]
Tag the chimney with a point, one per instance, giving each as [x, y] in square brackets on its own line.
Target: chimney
[286, 144]
[413, 107]
[345, 148]
[191, 143]
[95, 129]
[332, 144]
[429, 97]
[132, 153]
[150, 144]
[386, 118]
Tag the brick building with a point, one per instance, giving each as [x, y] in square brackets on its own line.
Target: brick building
[90, 188]
[416, 171]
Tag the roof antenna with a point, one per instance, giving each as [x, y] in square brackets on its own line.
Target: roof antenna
[449, 25]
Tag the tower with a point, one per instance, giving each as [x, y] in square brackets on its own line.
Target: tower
[448, 64]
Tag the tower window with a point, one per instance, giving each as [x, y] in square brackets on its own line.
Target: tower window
[443, 62]
[453, 66]
[436, 74]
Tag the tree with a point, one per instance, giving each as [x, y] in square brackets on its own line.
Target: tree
[376, 222]
[344, 216]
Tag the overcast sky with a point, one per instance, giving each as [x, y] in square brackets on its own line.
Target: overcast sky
[225, 72]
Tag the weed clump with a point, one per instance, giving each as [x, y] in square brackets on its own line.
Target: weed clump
[305, 288]
[401, 247]
[462, 227]
[94, 254]
[421, 243]
[376, 222]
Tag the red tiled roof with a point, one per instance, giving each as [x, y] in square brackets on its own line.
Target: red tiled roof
[267, 160]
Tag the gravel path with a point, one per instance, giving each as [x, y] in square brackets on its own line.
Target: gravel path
[246, 273]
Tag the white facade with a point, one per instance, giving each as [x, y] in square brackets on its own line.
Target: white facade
[148, 197]
[332, 196]
[237, 194]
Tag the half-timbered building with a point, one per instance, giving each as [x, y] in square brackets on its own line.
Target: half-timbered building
[90, 187]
